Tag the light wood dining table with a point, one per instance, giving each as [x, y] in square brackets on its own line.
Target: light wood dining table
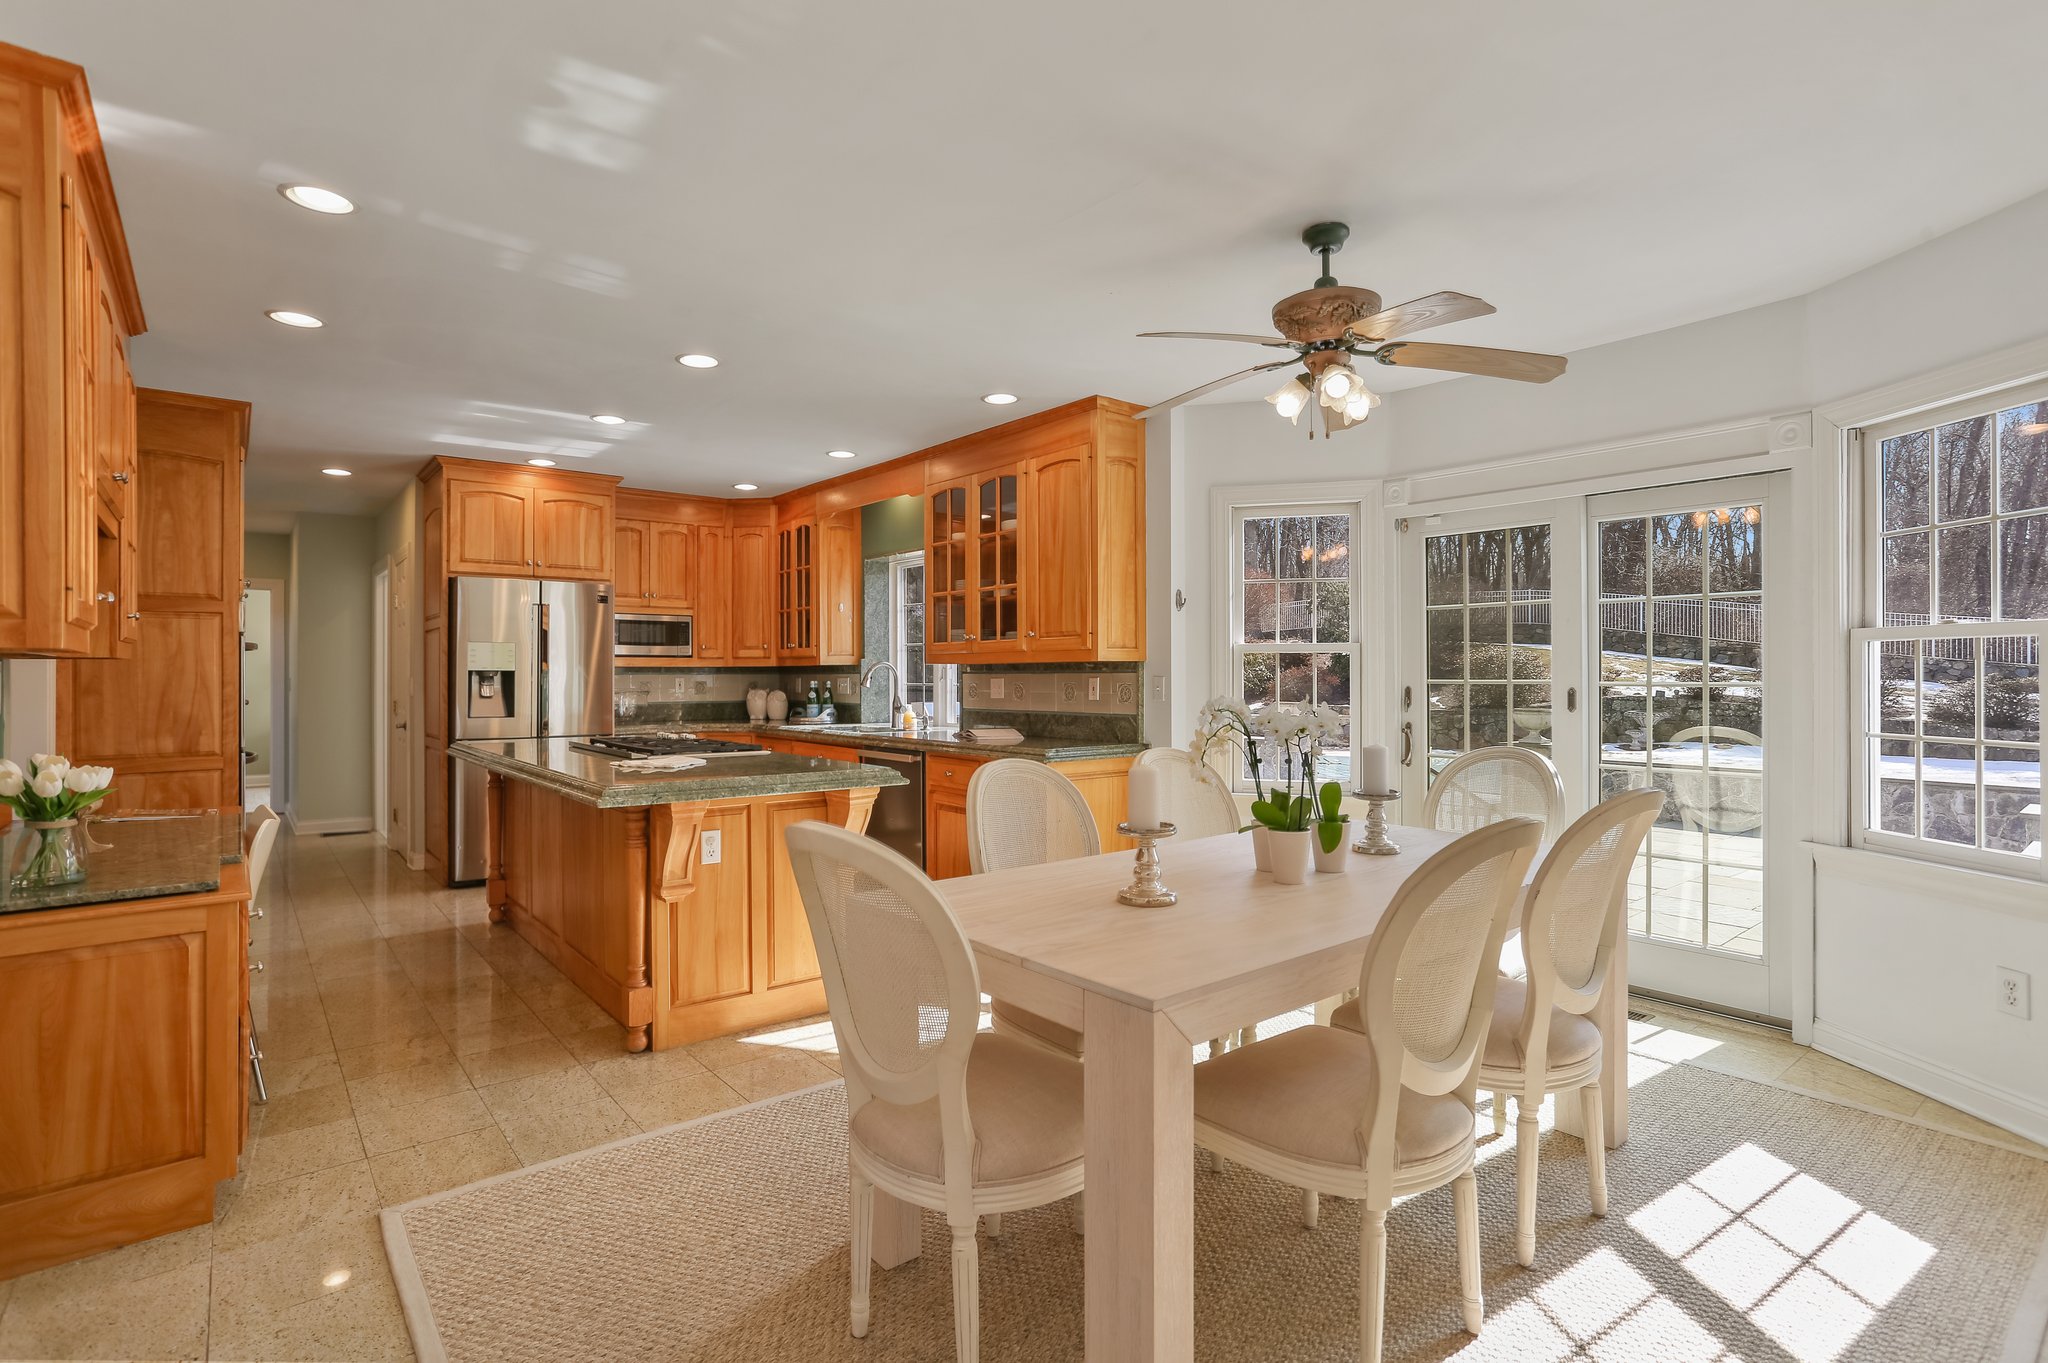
[1145, 985]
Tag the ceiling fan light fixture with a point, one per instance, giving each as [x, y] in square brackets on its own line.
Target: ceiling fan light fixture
[1290, 399]
[1360, 404]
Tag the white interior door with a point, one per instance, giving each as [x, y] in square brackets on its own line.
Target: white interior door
[1493, 655]
[1689, 649]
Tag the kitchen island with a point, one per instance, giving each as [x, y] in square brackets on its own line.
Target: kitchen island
[666, 896]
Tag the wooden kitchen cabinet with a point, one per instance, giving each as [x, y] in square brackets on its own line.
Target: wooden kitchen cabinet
[945, 815]
[654, 567]
[1035, 540]
[629, 565]
[752, 581]
[166, 712]
[506, 522]
[67, 304]
[711, 627]
[817, 584]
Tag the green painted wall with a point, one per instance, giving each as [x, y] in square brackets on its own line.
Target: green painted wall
[332, 565]
[267, 556]
[895, 526]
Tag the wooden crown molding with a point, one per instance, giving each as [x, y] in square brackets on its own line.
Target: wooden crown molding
[82, 131]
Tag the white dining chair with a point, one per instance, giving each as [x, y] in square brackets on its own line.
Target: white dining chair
[1476, 788]
[1023, 813]
[940, 1115]
[1196, 799]
[260, 833]
[1541, 1040]
[1386, 1112]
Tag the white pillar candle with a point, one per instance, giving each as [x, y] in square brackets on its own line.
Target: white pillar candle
[1373, 775]
[1146, 800]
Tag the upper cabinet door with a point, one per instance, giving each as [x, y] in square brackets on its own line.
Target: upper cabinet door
[752, 587]
[81, 415]
[1062, 551]
[997, 522]
[572, 534]
[839, 588]
[489, 529]
[948, 567]
[629, 568]
[711, 630]
[671, 566]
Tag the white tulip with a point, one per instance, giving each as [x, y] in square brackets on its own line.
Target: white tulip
[47, 784]
[43, 762]
[82, 779]
[11, 779]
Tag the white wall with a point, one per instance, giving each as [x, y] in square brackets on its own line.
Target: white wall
[329, 660]
[1901, 980]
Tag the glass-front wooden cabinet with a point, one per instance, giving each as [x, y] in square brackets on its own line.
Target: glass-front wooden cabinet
[796, 566]
[947, 553]
[974, 565]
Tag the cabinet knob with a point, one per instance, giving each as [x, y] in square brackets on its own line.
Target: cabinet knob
[255, 913]
[256, 967]
[134, 615]
[107, 597]
[1031, 634]
[120, 477]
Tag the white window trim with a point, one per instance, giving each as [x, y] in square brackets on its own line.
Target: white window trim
[945, 678]
[1863, 443]
[1371, 676]
[1861, 834]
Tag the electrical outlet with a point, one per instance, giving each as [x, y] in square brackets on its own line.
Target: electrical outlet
[710, 847]
[995, 688]
[1095, 688]
[2015, 992]
[846, 686]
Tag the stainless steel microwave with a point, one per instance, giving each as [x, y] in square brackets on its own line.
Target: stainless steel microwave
[650, 636]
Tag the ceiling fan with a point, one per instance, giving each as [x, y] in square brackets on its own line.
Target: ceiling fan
[1330, 324]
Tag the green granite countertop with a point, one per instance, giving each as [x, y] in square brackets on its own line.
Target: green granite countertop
[938, 738]
[138, 856]
[556, 764]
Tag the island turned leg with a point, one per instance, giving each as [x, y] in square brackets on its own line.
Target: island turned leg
[850, 808]
[494, 846]
[670, 878]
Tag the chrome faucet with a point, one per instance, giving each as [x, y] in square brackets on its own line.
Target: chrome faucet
[895, 692]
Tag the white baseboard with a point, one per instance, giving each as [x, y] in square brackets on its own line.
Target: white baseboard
[2016, 1112]
[313, 828]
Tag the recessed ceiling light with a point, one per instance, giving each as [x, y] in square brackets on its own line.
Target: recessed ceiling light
[337, 473]
[608, 420]
[697, 361]
[746, 487]
[318, 199]
[999, 399]
[542, 463]
[840, 454]
[294, 319]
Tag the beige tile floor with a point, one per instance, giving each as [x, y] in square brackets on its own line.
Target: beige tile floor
[412, 1047]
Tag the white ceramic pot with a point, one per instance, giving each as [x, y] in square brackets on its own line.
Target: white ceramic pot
[757, 704]
[778, 707]
[1262, 857]
[1292, 855]
[1333, 862]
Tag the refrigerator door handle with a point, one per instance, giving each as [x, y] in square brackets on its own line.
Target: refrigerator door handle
[540, 655]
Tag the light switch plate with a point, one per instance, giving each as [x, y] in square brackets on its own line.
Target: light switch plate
[995, 688]
[1095, 688]
[710, 847]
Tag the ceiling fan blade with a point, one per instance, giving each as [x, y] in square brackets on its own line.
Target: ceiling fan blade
[1417, 313]
[1194, 393]
[1472, 359]
[1222, 336]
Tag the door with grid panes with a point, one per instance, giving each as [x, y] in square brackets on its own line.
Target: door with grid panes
[1492, 655]
[1295, 621]
[1690, 642]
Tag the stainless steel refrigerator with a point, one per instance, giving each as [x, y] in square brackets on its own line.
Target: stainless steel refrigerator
[527, 659]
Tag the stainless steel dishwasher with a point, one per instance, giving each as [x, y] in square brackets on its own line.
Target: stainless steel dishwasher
[898, 818]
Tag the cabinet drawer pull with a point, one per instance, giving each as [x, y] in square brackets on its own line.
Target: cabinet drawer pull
[255, 913]
[134, 615]
[120, 477]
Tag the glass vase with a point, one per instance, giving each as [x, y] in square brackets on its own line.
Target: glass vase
[49, 854]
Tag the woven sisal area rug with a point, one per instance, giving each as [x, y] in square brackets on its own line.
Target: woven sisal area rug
[1747, 1222]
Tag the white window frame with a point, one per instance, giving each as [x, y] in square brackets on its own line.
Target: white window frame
[945, 680]
[1231, 507]
[1867, 477]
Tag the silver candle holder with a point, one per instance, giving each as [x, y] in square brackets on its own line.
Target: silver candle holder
[1376, 843]
[1145, 891]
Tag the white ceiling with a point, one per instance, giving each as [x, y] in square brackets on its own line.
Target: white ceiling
[873, 213]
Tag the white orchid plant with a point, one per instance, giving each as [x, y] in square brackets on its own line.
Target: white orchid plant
[52, 790]
[1295, 731]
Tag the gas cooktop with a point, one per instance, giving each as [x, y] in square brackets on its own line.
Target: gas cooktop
[664, 745]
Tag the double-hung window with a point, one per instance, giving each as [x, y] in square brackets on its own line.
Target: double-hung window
[1949, 672]
[1294, 618]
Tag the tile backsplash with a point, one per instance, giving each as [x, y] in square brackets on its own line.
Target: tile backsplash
[678, 695]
